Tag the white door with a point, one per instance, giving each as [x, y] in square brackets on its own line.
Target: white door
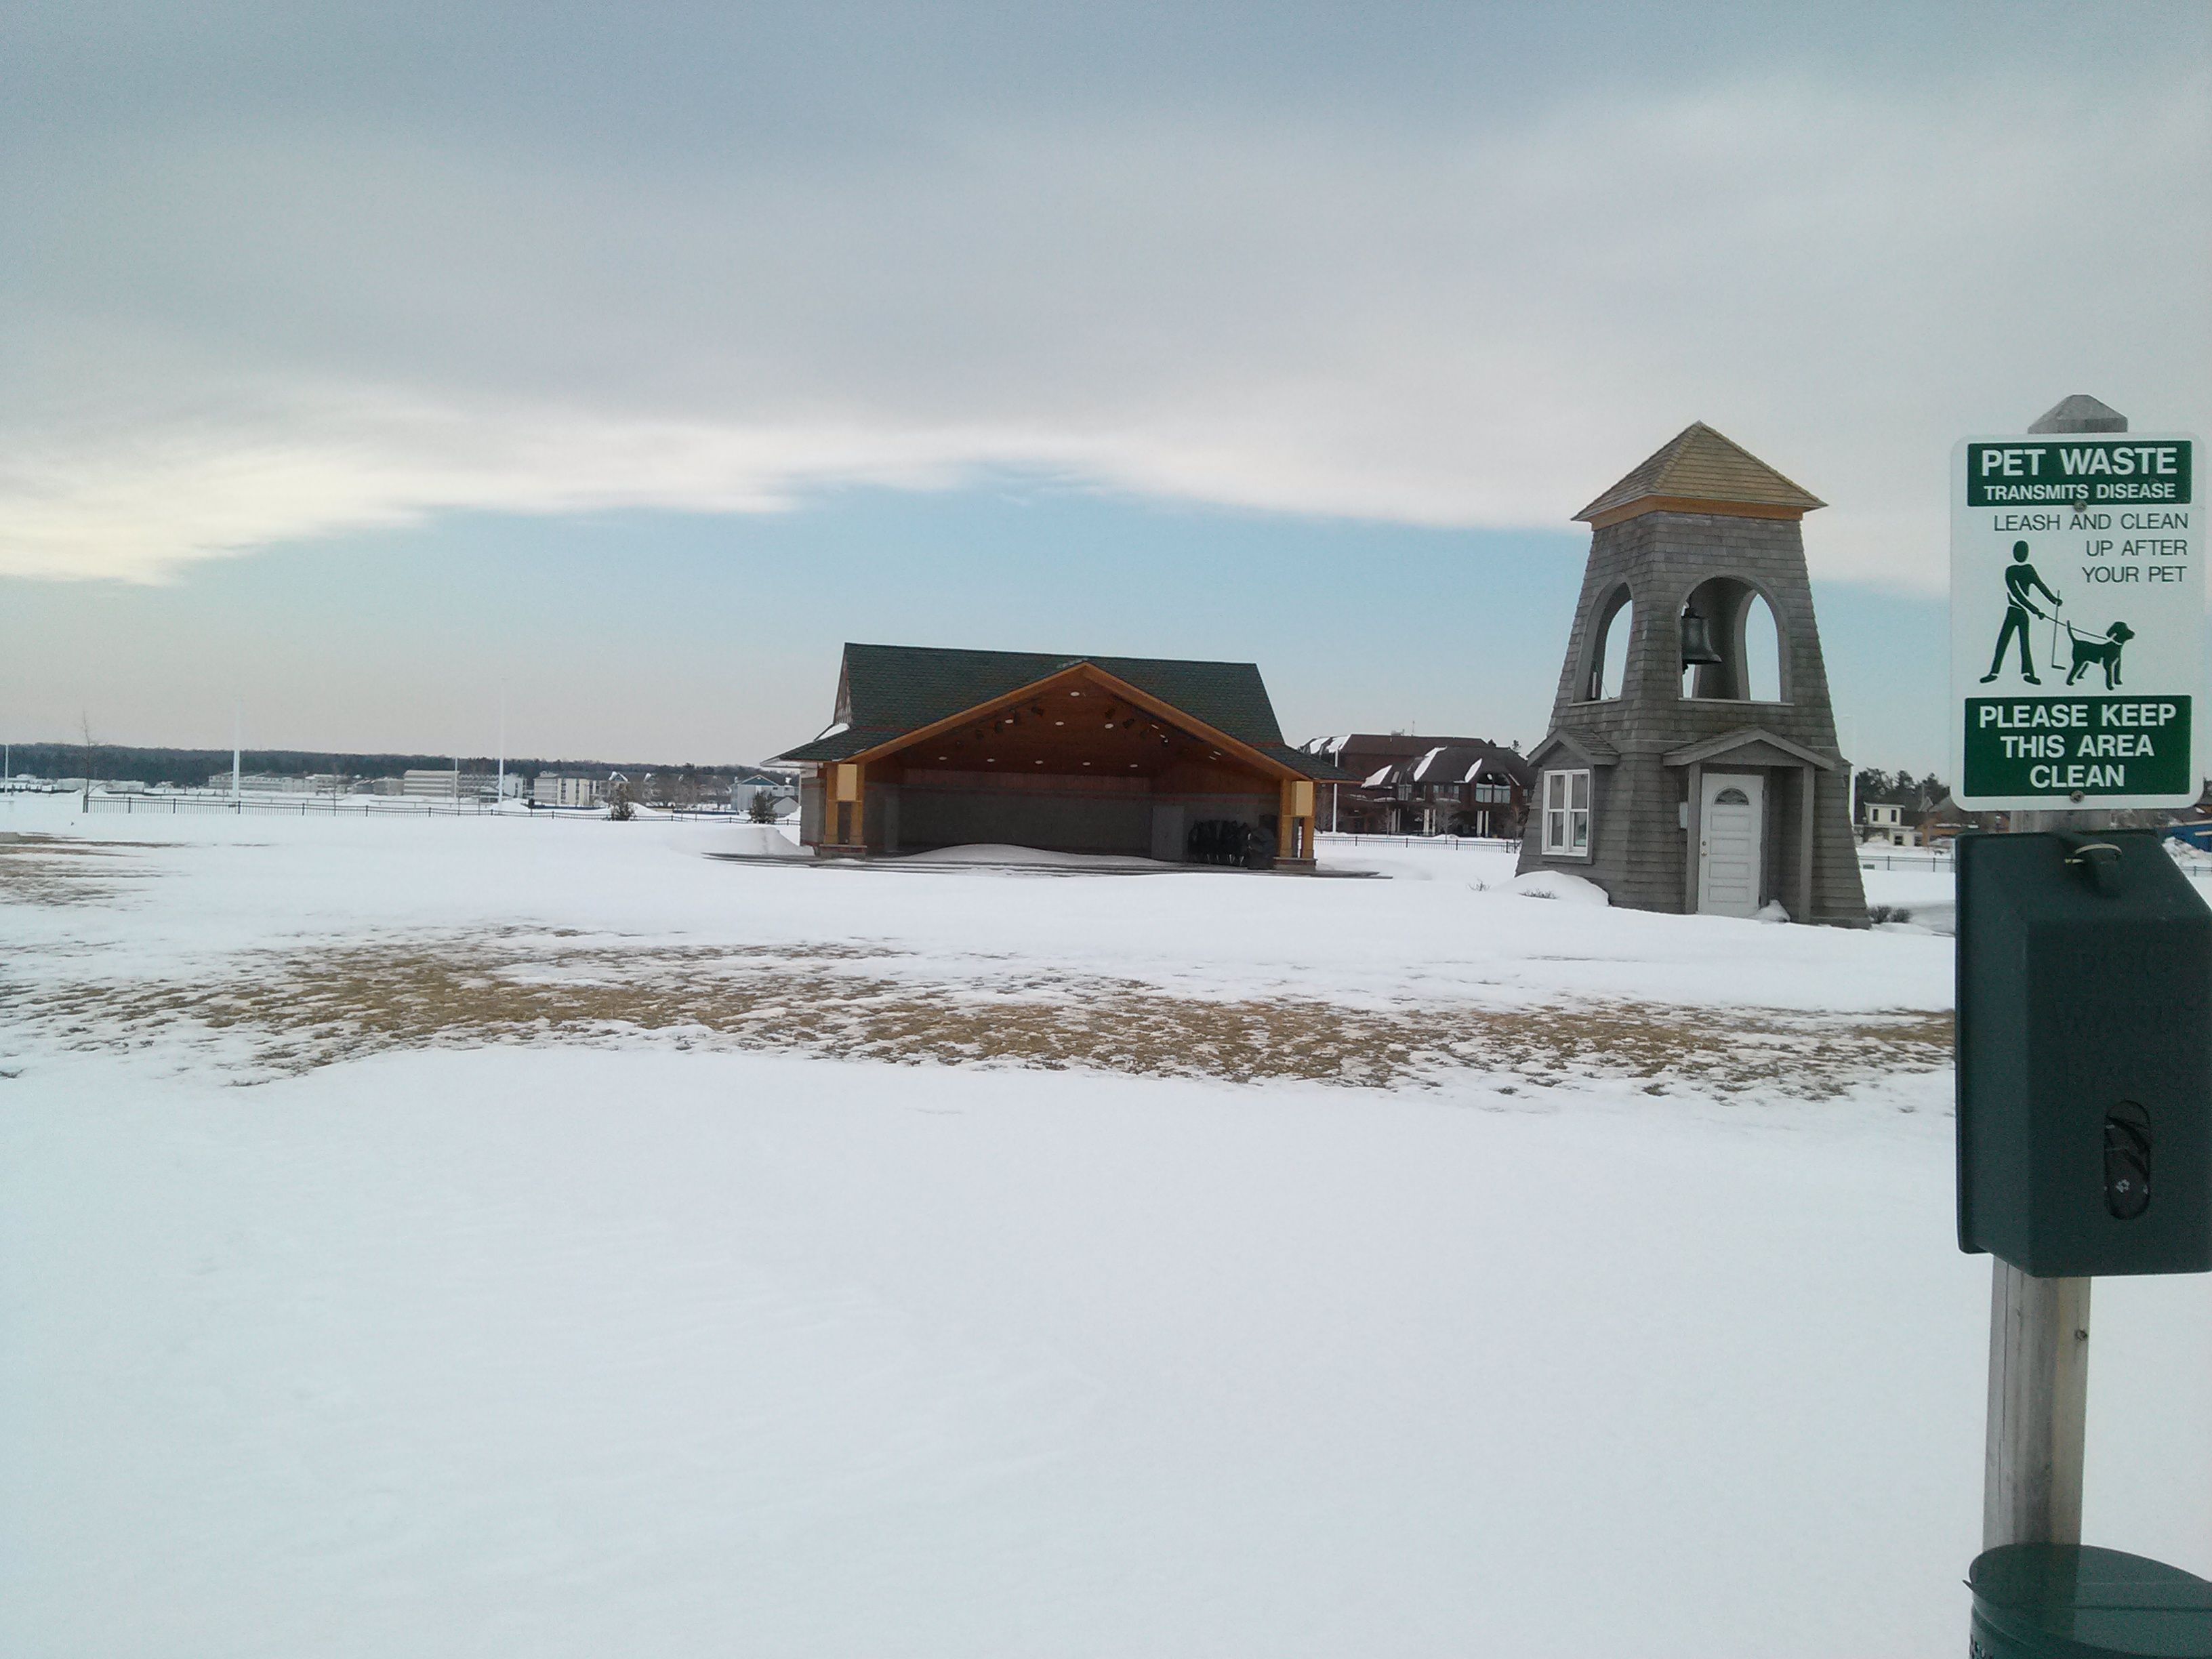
[1731, 829]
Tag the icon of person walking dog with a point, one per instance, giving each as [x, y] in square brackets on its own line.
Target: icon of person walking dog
[2021, 583]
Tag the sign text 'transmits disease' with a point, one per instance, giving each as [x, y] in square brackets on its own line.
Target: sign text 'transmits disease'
[2082, 473]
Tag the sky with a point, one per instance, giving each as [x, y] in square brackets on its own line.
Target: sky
[372, 370]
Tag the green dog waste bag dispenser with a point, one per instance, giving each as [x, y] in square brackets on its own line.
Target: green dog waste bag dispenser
[2085, 1055]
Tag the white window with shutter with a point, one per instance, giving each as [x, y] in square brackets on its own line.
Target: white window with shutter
[1566, 814]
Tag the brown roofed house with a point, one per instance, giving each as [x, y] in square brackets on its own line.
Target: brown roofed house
[1405, 785]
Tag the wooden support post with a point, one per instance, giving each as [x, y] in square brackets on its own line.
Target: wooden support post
[1809, 792]
[2036, 1439]
[844, 796]
[1286, 823]
[2039, 1328]
[1694, 861]
[2039, 1398]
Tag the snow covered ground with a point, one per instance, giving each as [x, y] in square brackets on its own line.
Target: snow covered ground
[485, 1236]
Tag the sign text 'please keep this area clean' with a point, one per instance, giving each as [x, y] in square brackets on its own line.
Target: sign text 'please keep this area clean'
[2077, 616]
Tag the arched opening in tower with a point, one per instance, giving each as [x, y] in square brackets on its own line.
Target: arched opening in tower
[1731, 646]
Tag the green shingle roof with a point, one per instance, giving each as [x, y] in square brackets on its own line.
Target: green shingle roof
[888, 691]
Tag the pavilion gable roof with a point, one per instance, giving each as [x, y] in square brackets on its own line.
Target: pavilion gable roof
[887, 691]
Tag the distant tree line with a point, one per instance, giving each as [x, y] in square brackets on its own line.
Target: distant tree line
[196, 766]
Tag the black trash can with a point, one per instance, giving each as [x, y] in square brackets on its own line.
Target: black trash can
[2074, 1602]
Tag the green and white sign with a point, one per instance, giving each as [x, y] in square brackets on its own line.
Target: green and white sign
[2077, 622]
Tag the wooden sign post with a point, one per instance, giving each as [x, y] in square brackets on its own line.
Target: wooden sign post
[2037, 1433]
[2038, 1400]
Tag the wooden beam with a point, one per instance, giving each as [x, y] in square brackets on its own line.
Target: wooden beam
[2037, 1429]
[2038, 1344]
[2039, 1406]
[844, 792]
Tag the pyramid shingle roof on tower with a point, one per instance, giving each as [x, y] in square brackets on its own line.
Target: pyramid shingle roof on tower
[1698, 470]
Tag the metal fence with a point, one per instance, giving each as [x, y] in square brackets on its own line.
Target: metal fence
[1350, 838]
[1932, 860]
[1937, 862]
[333, 807]
[318, 807]
[1941, 863]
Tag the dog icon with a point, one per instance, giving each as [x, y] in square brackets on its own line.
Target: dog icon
[2089, 649]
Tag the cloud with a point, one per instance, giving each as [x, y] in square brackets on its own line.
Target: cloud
[235, 326]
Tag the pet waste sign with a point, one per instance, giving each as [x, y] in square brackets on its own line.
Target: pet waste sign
[2077, 622]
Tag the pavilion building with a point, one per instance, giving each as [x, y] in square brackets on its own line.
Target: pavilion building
[1145, 756]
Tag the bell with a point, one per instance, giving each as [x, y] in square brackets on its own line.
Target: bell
[1698, 641]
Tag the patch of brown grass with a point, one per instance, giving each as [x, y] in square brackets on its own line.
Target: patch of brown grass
[308, 1009]
[37, 869]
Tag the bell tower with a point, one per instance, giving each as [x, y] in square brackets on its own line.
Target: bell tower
[1691, 765]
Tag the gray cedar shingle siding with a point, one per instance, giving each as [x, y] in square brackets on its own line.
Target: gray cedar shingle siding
[1639, 852]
